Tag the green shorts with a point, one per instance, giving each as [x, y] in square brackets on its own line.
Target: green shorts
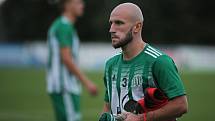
[66, 106]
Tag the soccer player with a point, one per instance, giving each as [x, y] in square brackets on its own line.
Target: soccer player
[139, 66]
[64, 78]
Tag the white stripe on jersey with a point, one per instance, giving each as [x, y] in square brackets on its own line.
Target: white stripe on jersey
[56, 65]
[70, 114]
[155, 50]
[112, 118]
[152, 52]
[114, 92]
[53, 77]
[108, 87]
[147, 52]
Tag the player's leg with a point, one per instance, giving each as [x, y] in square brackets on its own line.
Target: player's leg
[59, 107]
[72, 106]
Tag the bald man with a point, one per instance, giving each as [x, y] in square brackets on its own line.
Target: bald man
[138, 67]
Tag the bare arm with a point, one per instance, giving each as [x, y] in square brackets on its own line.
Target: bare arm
[174, 109]
[106, 107]
[67, 59]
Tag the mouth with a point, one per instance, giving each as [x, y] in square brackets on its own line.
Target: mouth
[114, 37]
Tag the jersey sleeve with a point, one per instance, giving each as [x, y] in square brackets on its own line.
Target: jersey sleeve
[64, 35]
[167, 77]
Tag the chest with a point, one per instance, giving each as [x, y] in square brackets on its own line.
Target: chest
[135, 76]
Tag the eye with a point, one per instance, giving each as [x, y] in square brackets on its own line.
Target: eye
[119, 22]
[110, 22]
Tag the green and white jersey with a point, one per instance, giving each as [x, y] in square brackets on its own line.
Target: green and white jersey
[62, 34]
[125, 80]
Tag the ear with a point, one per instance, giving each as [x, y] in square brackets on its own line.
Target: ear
[137, 27]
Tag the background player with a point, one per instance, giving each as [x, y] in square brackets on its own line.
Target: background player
[63, 75]
[138, 67]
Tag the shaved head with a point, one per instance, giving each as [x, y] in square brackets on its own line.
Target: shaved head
[130, 10]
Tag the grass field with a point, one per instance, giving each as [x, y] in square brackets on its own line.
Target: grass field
[23, 96]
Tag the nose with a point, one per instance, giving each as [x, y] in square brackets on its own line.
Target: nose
[112, 30]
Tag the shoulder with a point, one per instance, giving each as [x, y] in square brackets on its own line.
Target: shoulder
[62, 25]
[155, 55]
[164, 62]
[159, 59]
[153, 52]
[164, 59]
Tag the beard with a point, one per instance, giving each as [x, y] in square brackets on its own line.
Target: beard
[124, 41]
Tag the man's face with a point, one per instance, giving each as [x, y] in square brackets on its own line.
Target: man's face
[76, 7]
[120, 30]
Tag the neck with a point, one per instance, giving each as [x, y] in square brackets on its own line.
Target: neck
[133, 49]
[70, 16]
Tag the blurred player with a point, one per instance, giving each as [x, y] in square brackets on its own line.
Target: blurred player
[63, 74]
[139, 66]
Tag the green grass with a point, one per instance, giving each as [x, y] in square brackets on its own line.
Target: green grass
[23, 96]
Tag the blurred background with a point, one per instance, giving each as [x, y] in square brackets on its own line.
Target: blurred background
[183, 29]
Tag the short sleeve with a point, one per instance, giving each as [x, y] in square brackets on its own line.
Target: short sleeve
[167, 77]
[64, 35]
